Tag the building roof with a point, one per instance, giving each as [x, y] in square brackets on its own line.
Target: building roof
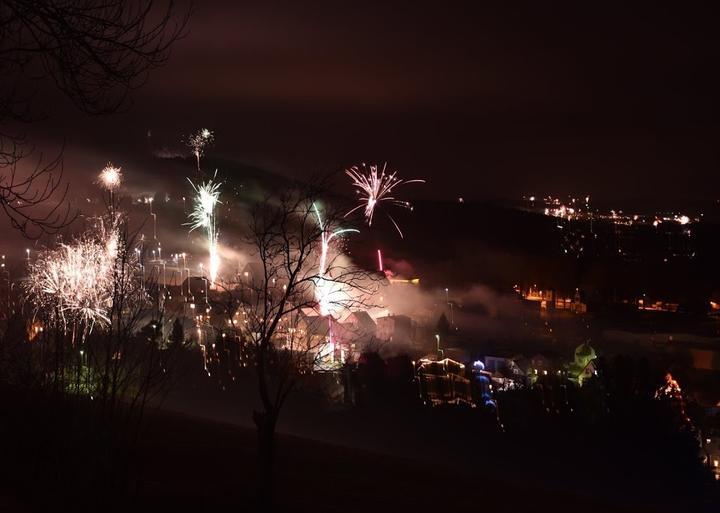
[585, 351]
[363, 320]
[317, 325]
[394, 318]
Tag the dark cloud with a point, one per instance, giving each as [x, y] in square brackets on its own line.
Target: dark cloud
[482, 99]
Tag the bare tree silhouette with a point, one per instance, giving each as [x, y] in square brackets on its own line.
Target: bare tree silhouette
[98, 355]
[274, 311]
[95, 52]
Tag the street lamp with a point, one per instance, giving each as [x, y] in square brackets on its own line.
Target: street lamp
[202, 275]
[6, 271]
[142, 267]
[447, 300]
[185, 268]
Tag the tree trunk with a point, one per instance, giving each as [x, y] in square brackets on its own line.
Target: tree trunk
[265, 423]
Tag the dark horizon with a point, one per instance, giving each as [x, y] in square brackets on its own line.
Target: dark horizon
[484, 103]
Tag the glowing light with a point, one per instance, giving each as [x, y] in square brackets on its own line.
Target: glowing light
[203, 216]
[375, 186]
[75, 281]
[380, 261]
[110, 177]
[198, 141]
[325, 288]
[412, 281]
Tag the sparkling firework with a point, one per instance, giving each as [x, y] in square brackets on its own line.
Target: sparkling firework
[110, 178]
[203, 216]
[198, 141]
[375, 186]
[325, 288]
[74, 283]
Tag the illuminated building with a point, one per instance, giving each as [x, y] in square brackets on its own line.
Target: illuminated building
[443, 382]
[538, 365]
[574, 304]
[534, 293]
[322, 336]
[506, 374]
[360, 327]
[395, 328]
[550, 299]
[657, 306]
[583, 366]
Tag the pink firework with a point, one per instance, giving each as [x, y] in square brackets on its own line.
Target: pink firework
[375, 186]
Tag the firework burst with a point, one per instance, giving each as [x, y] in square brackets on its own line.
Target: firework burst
[375, 186]
[74, 282]
[110, 178]
[325, 287]
[198, 141]
[207, 196]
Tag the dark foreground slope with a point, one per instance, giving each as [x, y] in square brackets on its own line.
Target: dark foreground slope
[183, 463]
[195, 465]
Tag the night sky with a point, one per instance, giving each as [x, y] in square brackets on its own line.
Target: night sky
[484, 102]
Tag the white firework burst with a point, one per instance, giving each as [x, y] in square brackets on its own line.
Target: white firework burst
[203, 216]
